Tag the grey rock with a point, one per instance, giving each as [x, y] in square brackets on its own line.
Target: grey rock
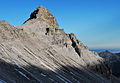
[37, 52]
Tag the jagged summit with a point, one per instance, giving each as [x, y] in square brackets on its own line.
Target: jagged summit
[41, 13]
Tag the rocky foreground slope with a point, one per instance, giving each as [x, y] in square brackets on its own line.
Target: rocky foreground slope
[39, 52]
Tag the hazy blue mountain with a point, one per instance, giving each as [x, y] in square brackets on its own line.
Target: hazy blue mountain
[110, 50]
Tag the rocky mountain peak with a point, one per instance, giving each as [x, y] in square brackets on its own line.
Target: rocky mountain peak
[41, 13]
[39, 52]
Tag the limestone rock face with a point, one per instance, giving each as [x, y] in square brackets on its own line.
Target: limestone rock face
[44, 14]
[39, 52]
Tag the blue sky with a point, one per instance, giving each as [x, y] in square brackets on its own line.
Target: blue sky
[95, 22]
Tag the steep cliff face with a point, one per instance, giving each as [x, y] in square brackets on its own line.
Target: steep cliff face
[43, 14]
[39, 52]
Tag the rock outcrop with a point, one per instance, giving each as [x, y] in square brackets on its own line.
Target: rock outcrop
[39, 52]
[42, 13]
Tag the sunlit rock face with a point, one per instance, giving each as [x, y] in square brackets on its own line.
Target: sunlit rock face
[39, 52]
[43, 14]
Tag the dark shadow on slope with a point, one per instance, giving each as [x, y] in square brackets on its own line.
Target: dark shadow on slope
[13, 73]
[114, 61]
[32, 16]
[116, 68]
[118, 54]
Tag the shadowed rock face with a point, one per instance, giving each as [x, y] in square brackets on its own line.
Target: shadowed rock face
[114, 60]
[35, 52]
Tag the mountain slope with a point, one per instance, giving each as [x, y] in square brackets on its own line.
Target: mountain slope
[39, 52]
[114, 60]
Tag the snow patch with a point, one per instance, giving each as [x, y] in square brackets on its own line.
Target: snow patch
[51, 79]
[22, 74]
[43, 75]
[61, 79]
[17, 65]
[75, 80]
[25, 70]
[46, 66]
[60, 76]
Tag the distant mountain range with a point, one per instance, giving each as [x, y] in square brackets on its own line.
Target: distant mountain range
[102, 50]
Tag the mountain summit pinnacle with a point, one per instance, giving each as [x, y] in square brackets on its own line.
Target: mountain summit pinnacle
[41, 13]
